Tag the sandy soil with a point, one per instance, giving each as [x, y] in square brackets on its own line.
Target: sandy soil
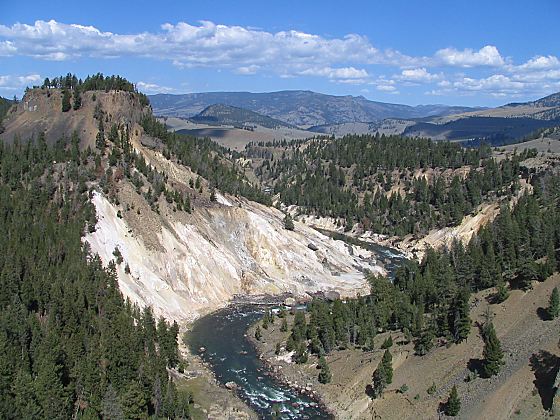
[512, 393]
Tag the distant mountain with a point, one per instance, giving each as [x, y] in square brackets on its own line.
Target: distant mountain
[238, 117]
[548, 101]
[492, 130]
[547, 108]
[297, 107]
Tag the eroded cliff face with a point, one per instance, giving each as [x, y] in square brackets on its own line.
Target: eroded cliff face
[39, 111]
[187, 265]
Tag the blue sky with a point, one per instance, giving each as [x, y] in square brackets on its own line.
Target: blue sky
[415, 52]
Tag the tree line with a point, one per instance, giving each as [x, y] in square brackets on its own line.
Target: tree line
[388, 184]
[71, 346]
[205, 157]
[430, 299]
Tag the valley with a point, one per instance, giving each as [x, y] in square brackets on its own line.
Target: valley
[177, 228]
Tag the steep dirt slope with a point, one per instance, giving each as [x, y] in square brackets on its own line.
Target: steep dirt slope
[518, 391]
[185, 264]
[40, 110]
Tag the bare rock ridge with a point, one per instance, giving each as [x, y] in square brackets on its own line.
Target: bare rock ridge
[182, 264]
[39, 111]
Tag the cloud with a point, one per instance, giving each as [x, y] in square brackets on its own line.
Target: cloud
[539, 62]
[386, 88]
[243, 50]
[349, 59]
[336, 73]
[248, 70]
[151, 88]
[417, 75]
[15, 82]
[486, 56]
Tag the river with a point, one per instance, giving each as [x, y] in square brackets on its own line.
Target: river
[233, 358]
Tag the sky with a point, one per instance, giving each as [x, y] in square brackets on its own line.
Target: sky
[453, 52]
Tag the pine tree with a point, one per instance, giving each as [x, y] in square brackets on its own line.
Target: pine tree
[301, 354]
[387, 364]
[77, 100]
[554, 304]
[453, 405]
[284, 325]
[258, 333]
[288, 222]
[379, 382]
[66, 100]
[460, 322]
[493, 355]
[100, 138]
[134, 402]
[111, 406]
[502, 292]
[325, 375]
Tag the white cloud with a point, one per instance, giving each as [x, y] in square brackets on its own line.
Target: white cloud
[151, 88]
[336, 73]
[348, 59]
[486, 56]
[386, 88]
[242, 49]
[14, 82]
[539, 62]
[248, 70]
[419, 74]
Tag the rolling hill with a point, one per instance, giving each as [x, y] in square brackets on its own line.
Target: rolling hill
[220, 114]
[298, 107]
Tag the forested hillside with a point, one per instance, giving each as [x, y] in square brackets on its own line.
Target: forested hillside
[430, 299]
[388, 184]
[207, 158]
[71, 346]
[5, 105]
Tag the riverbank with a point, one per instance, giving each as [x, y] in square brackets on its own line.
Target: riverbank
[220, 340]
[519, 391]
[345, 397]
[212, 400]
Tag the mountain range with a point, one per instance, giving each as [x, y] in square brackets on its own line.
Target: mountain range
[297, 107]
[340, 115]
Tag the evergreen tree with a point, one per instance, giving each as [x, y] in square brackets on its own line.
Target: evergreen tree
[325, 375]
[111, 407]
[554, 304]
[66, 100]
[134, 402]
[383, 375]
[460, 320]
[379, 382]
[493, 356]
[258, 333]
[301, 355]
[502, 292]
[100, 137]
[453, 405]
[288, 222]
[77, 100]
[387, 365]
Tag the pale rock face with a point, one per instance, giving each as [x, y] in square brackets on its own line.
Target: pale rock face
[236, 247]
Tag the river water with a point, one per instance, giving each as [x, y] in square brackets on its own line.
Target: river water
[233, 358]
